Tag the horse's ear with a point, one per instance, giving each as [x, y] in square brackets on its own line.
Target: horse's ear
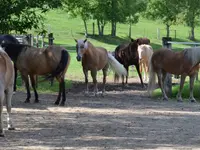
[75, 40]
[85, 40]
[132, 40]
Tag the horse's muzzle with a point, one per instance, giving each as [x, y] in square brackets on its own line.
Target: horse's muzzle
[78, 58]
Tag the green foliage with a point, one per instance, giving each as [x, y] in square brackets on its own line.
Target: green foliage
[21, 15]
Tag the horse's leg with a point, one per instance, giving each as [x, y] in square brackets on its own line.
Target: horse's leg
[127, 68]
[94, 77]
[9, 94]
[182, 81]
[26, 80]
[15, 80]
[86, 81]
[63, 92]
[161, 84]
[1, 110]
[192, 78]
[105, 70]
[139, 73]
[34, 87]
[59, 93]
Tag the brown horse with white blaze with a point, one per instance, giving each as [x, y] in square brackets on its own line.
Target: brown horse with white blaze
[184, 63]
[6, 87]
[52, 61]
[95, 59]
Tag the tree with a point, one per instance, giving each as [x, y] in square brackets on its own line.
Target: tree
[191, 14]
[165, 10]
[21, 15]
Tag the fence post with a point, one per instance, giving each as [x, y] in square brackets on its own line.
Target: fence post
[42, 42]
[158, 33]
[51, 38]
[93, 29]
[168, 79]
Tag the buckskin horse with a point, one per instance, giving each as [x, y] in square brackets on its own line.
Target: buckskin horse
[95, 59]
[184, 63]
[11, 39]
[6, 88]
[128, 56]
[52, 61]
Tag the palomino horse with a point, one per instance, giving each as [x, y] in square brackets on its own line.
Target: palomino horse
[6, 87]
[145, 52]
[11, 39]
[184, 63]
[94, 59]
[33, 61]
[128, 56]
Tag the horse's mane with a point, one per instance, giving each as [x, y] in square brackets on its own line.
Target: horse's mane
[192, 54]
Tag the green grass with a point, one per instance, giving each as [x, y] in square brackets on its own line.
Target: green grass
[62, 26]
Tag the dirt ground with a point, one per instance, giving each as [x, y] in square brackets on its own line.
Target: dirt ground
[123, 119]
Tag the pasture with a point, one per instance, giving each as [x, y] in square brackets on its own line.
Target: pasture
[122, 119]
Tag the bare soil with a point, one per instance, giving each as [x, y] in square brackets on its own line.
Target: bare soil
[123, 119]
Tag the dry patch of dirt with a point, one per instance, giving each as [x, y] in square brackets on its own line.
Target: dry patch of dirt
[123, 119]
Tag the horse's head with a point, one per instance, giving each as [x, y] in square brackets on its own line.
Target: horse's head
[81, 47]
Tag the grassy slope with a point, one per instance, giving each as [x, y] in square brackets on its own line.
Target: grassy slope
[62, 26]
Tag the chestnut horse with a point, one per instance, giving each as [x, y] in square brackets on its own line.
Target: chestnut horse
[6, 87]
[11, 39]
[95, 59]
[145, 52]
[128, 56]
[184, 63]
[31, 61]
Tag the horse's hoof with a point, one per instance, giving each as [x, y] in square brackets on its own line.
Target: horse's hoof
[27, 101]
[11, 128]
[62, 104]
[180, 100]
[36, 101]
[56, 103]
[193, 100]
[14, 92]
[165, 99]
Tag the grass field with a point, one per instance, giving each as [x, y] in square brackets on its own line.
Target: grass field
[62, 26]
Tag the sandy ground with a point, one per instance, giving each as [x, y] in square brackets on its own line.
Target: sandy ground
[123, 119]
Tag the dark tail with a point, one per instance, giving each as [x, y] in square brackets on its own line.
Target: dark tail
[61, 66]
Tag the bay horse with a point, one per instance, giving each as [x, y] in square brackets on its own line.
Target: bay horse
[52, 61]
[6, 88]
[11, 39]
[141, 41]
[184, 63]
[128, 56]
[145, 52]
[94, 59]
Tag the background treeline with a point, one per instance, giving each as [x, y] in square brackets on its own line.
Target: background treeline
[23, 15]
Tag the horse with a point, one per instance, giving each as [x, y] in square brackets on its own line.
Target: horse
[145, 52]
[184, 63]
[94, 59]
[141, 41]
[128, 56]
[6, 88]
[11, 39]
[52, 61]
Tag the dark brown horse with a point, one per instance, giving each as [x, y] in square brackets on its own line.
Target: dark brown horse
[141, 41]
[31, 61]
[184, 63]
[95, 59]
[128, 56]
[6, 87]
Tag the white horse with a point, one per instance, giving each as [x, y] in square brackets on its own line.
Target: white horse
[145, 52]
[6, 87]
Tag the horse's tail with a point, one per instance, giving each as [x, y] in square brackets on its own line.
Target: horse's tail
[60, 70]
[116, 66]
[152, 78]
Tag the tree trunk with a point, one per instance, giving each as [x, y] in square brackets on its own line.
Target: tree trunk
[192, 34]
[86, 30]
[168, 31]
[102, 29]
[113, 29]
